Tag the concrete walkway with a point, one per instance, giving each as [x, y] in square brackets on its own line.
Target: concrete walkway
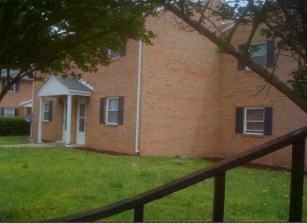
[49, 144]
[31, 145]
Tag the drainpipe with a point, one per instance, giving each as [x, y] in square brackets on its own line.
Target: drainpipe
[138, 97]
[32, 109]
[40, 120]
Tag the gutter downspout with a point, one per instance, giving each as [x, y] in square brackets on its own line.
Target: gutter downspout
[32, 109]
[137, 129]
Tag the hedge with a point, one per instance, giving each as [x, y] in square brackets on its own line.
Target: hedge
[14, 126]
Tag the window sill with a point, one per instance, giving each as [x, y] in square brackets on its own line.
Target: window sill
[111, 125]
[45, 122]
[115, 58]
[253, 135]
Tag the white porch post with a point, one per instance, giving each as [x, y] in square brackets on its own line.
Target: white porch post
[40, 123]
[68, 128]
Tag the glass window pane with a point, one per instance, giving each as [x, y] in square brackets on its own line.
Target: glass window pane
[12, 89]
[260, 60]
[82, 110]
[254, 126]
[261, 49]
[45, 116]
[46, 107]
[9, 112]
[114, 54]
[46, 111]
[113, 117]
[81, 124]
[113, 105]
[254, 114]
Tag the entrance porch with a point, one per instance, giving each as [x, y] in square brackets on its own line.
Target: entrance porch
[65, 90]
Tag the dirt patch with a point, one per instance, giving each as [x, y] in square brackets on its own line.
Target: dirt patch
[255, 165]
[103, 151]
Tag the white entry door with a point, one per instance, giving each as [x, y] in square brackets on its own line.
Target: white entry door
[80, 137]
[64, 127]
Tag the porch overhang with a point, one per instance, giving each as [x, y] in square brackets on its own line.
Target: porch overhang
[57, 86]
[27, 104]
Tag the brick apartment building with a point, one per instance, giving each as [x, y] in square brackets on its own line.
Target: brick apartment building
[179, 97]
[18, 100]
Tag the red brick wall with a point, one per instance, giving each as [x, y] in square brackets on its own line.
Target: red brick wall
[189, 94]
[13, 99]
[180, 93]
[241, 89]
[118, 79]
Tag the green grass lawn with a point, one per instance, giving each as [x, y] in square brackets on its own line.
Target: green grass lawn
[13, 140]
[45, 183]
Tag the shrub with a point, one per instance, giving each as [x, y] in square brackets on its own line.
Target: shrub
[14, 126]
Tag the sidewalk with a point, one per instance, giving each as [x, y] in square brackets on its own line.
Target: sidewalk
[31, 145]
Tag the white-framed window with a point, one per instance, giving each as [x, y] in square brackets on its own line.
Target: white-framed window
[112, 110]
[114, 54]
[46, 110]
[254, 120]
[117, 54]
[259, 54]
[9, 112]
[262, 53]
[12, 88]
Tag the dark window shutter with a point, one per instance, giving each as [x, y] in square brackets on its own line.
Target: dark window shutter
[121, 110]
[15, 111]
[270, 58]
[123, 50]
[239, 119]
[17, 87]
[102, 110]
[268, 120]
[241, 66]
[2, 111]
[50, 111]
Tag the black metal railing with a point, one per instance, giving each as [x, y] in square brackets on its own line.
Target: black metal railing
[218, 171]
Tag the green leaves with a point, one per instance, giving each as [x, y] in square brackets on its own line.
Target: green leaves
[53, 35]
[299, 83]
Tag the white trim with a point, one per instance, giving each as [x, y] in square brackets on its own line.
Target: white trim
[14, 88]
[107, 110]
[48, 89]
[80, 140]
[137, 124]
[265, 55]
[228, 26]
[68, 127]
[13, 114]
[46, 112]
[254, 132]
[64, 122]
[110, 53]
[40, 125]
[28, 104]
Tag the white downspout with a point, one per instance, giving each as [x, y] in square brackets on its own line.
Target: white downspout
[137, 129]
[32, 109]
[68, 123]
[40, 121]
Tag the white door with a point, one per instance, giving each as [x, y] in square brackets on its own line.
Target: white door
[80, 137]
[64, 127]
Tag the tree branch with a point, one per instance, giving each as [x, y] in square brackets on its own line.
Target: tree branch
[229, 49]
[238, 22]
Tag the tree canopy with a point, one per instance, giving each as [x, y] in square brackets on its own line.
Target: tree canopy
[54, 37]
[282, 20]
